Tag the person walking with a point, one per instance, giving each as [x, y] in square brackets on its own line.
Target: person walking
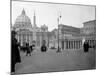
[28, 49]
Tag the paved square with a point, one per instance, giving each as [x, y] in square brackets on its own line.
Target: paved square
[67, 60]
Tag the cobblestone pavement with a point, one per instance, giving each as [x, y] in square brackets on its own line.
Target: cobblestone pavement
[51, 61]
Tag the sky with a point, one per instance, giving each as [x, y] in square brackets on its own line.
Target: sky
[47, 13]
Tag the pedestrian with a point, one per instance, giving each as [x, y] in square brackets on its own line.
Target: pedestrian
[28, 49]
[15, 55]
[31, 49]
[86, 46]
[43, 47]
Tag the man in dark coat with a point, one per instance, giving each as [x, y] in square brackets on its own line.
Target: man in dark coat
[15, 56]
[86, 46]
[28, 49]
[43, 47]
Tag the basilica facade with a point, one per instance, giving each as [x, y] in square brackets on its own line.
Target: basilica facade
[28, 33]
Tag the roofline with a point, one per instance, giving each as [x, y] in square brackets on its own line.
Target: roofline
[89, 21]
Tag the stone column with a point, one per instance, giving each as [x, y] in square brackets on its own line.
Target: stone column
[26, 37]
[90, 42]
[72, 44]
[75, 44]
[22, 39]
[65, 45]
[79, 44]
[40, 41]
[30, 38]
[19, 38]
[69, 44]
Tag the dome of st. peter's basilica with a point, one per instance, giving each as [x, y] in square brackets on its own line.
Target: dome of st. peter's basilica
[23, 20]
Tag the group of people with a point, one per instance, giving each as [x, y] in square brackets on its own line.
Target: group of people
[28, 49]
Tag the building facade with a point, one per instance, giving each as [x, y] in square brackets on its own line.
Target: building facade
[89, 27]
[69, 37]
[24, 29]
[72, 37]
[42, 35]
[89, 32]
[28, 33]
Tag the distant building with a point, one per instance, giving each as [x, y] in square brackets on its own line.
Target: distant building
[42, 34]
[89, 31]
[23, 28]
[89, 27]
[72, 37]
[53, 38]
[69, 37]
[28, 33]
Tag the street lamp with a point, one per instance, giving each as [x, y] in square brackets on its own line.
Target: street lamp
[59, 17]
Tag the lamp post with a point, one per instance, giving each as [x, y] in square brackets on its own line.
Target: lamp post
[48, 38]
[59, 17]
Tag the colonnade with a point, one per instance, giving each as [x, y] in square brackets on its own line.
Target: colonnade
[71, 44]
[91, 42]
[23, 38]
